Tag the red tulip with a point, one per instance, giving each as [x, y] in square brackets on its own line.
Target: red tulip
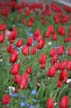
[9, 49]
[42, 59]
[63, 76]
[69, 65]
[23, 84]
[60, 50]
[69, 28]
[59, 83]
[25, 76]
[57, 65]
[37, 35]
[24, 81]
[13, 58]
[43, 21]
[69, 52]
[63, 103]
[47, 34]
[34, 50]
[64, 19]
[54, 37]
[54, 59]
[50, 28]
[50, 103]
[27, 12]
[22, 21]
[52, 52]
[5, 99]
[30, 22]
[55, 7]
[61, 31]
[1, 38]
[51, 72]
[57, 20]
[42, 66]
[69, 35]
[13, 35]
[29, 41]
[15, 69]
[67, 8]
[40, 44]
[63, 64]
[19, 43]
[67, 39]
[29, 70]
[25, 50]
[17, 79]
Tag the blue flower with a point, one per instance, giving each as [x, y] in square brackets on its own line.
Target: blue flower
[31, 106]
[33, 92]
[22, 104]
[34, 100]
[28, 105]
[56, 47]
[13, 94]
[23, 96]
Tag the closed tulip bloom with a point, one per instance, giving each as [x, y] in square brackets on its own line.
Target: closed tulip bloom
[52, 52]
[63, 76]
[25, 50]
[50, 103]
[29, 41]
[19, 43]
[5, 99]
[1, 38]
[15, 69]
[61, 31]
[69, 52]
[63, 103]
[60, 50]
[13, 58]
[51, 72]
[69, 65]
[33, 50]
[42, 59]
[40, 44]
[29, 70]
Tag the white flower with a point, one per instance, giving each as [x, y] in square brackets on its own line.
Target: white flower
[68, 80]
[11, 89]
[49, 43]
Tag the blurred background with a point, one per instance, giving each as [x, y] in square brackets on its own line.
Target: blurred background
[65, 2]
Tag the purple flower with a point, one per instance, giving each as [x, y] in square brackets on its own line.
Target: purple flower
[33, 92]
[22, 104]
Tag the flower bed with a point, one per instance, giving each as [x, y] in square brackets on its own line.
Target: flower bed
[35, 52]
